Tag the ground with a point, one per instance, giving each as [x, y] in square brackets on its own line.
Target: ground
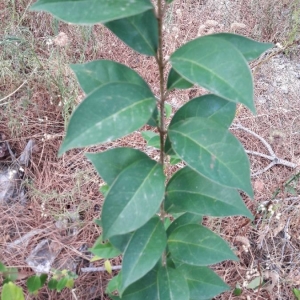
[38, 92]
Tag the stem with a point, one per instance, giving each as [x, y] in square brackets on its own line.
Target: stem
[161, 127]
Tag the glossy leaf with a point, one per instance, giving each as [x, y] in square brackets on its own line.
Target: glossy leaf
[174, 159]
[109, 164]
[113, 284]
[104, 250]
[143, 252]
[140, 32]
[10, 291]
[184, 219]
[177, 81]
[218, 66]
[203, 282]
[172, 285]
[168, 110]
[92, 11]
[212, 151]
[196, 245]
[208, 106]
[250, 49]
[188, 191]
[133, 198]
[148, 135]
[109, 112]
[145, 288]
[93, 74]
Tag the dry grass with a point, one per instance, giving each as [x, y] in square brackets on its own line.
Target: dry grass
[61, 188]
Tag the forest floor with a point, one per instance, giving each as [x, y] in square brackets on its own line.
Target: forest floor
[38, 92]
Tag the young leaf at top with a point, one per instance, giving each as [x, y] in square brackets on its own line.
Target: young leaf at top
[133, 198]
[212, 151]
[109, 112]
[172, 285]
[188, 191]
[203, 282]
[218, 66]
[143, 252]
[250, 49]
[92, 11]
[140, 32]
[93, 74]
[196, 245]
[109, 164]
[208, 106]
[177, 81]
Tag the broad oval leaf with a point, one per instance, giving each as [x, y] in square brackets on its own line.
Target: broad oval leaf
[109, 164]
[172, 285]
[93, 74]
[188, 191]
[184, 219]
[140, 32]
[212, 151]
[109, 112]
[133, 198]
[250, 49]
[196, 245]
[11, 291]
[145, 288]
[202, 281]
[92, 11]
[177, 81]
[143, 251]
[218, 66]
[121, 241]
[33, 283]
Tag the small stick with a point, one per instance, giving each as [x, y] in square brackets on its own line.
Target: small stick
[99, 269]
[13, 91]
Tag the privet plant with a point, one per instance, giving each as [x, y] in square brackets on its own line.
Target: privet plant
[154, 224]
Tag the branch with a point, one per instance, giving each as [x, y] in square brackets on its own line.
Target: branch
[274, 159]
[99, 269]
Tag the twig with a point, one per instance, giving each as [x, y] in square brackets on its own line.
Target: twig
[13, 91]
[99, 269]
[274, 159]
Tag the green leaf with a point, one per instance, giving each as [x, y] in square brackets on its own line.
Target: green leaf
[121, 241]
[186, 218]
[154, 142]
[104, 189]
[109, 112]
[256, 283]
[196, 245]
[93, 74]
[148, 135]
[52, 284]
[145, 288]
[212, 151]
[2, 267]
[70, 283]
[249, 48]
[133, 198]
[10, 291]
[61, 284]
[113, 284]
[218, 66]
[208, 106]
[11, 274]
[172, 285]
[143, 252]
[33, 283]
[175, 159]
[43, 279]
[140, 32]
[104, 250]
[153, 121]
[188, 191]
[203, 282]
[109, 164]
[167, 223]
[92, 11]
[237, 290]
[176, 81]
[168, 110]
[296, 293]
